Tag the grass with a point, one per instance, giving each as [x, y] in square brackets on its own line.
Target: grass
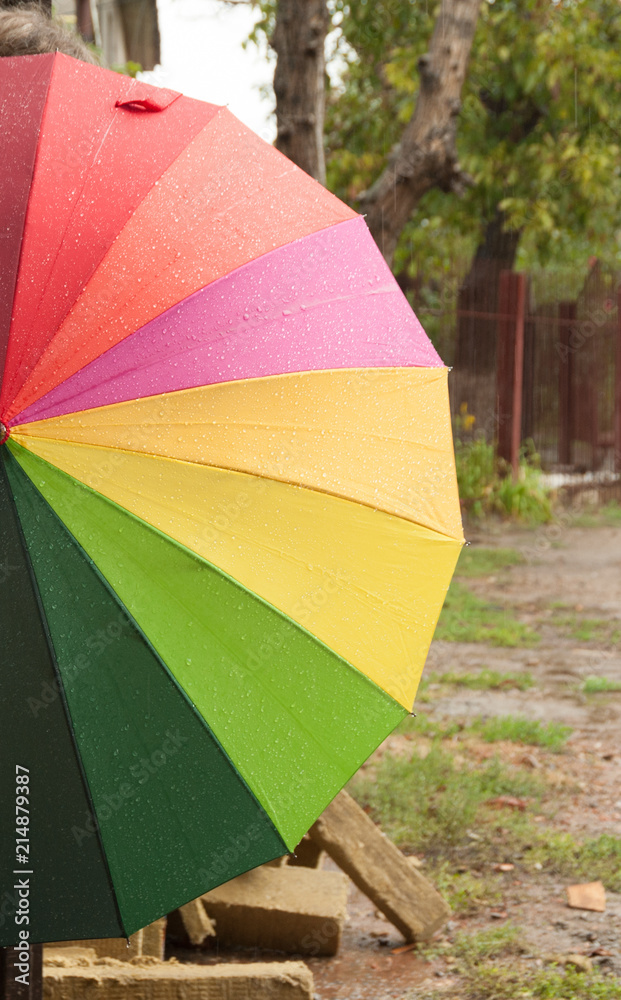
[441, 802]
[467, 618]
[600, 630]
[590, 859]
[490, 968]
[490, 981]
[477, 561]
[428, 801]
[550, 735]
[482, 680]
[465, 890]
[423, 725]
[599, 685]
[483, 945]
[608, 515]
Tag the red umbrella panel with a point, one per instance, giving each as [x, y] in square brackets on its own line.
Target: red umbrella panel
[227, 491]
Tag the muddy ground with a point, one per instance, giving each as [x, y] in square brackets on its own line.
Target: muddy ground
[579, 568]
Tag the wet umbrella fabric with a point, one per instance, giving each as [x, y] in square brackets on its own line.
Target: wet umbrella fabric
[227, 495]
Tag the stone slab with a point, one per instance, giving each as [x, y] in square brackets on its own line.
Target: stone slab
[295, 910]
[178, 981]
[379, 869]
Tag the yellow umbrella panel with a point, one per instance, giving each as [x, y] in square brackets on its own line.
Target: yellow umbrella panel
[329, 494]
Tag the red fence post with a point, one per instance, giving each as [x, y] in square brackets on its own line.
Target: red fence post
[510, 365]
[567, 317]
[617, 422]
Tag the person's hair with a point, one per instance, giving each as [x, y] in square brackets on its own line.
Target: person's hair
[26, 30]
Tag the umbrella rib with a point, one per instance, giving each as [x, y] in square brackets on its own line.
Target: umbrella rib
[70, 308]
[74, 209]
[177, 599]
[231, 468]
[63, 698]
[218, 340]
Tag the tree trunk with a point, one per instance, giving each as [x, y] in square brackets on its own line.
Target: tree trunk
[477, 301]
[299, 82]
[426, 157]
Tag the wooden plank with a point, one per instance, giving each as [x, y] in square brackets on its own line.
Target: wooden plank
[379, 869]
[617, 426]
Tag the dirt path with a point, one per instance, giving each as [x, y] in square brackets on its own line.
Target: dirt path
[581, 569]
[570, 576]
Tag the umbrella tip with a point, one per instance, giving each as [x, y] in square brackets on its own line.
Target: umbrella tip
[4, 432]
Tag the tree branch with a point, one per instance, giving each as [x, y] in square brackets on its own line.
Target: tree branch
[426, 157]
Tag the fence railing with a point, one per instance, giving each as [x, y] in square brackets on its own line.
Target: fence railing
[556, 374]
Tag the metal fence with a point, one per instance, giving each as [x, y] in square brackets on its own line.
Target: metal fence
[556, 374]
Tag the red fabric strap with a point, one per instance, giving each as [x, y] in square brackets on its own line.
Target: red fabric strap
[142, 96]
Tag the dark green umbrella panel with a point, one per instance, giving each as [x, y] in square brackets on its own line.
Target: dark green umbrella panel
[133, 805]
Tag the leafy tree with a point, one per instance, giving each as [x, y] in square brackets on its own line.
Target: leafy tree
[539, 134]
[426, 155]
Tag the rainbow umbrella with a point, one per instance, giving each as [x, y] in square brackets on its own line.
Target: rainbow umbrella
[227, 492]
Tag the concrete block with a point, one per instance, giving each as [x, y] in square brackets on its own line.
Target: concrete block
[147, 941]
[73, 955]
[190, 924]
[307, 854]
[296, 910]
[379, 869]
[106, 947]
[177, 981]
[153, 938]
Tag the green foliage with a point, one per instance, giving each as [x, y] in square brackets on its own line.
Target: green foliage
[484, 680]
[551, 735]
[491, 981]
[467, 618]
[128, 69]
[483, 945]
[476, 560]
[599, 685]
[525, 499]
[486, 485]
[428, 802]
[591, 859]
[539, 128]
[600, 630]
[477, 474]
